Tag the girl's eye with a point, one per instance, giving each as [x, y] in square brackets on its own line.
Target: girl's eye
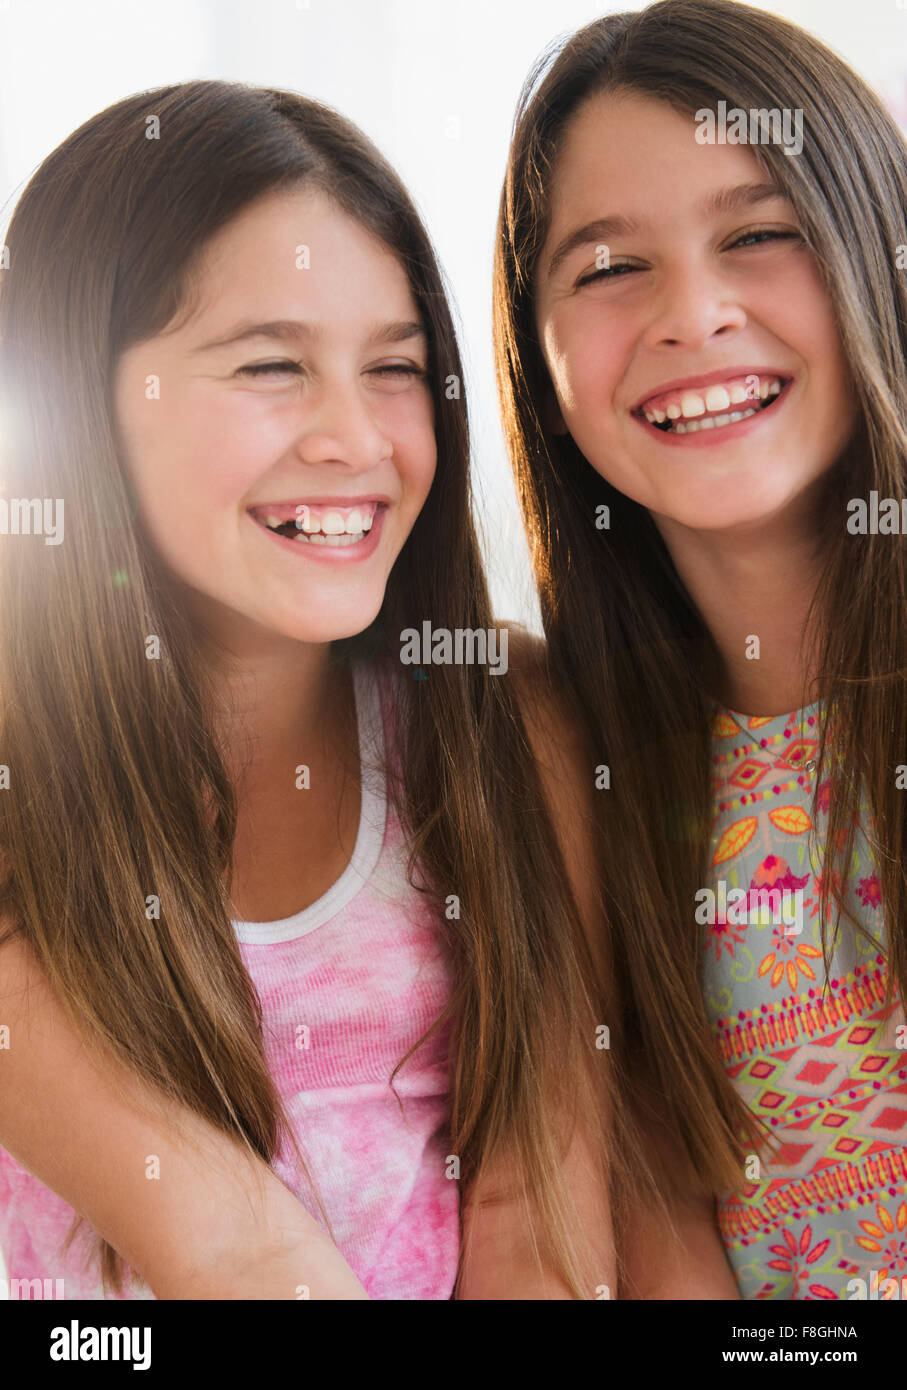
[266, 368]
[397, 369]
[611, 271]
[768, 234]
[394, 378]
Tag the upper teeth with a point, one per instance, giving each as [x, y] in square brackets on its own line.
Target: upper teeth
[689, 404]
[331, 522]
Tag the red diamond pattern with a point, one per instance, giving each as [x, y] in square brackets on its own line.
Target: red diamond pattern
[890, 1118]
[749, 773]
[798, 752]
[814, 1073]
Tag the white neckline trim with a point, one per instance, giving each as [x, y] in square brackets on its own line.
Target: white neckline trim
[370, 836]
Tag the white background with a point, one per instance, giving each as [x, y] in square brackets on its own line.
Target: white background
[434, 84]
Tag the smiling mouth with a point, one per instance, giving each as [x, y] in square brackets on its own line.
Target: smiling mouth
[321, 526]
[715, 419]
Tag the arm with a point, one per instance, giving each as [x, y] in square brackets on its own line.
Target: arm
[499, 1262]
[690, 1265]
[686, 1263]
[216, 1224]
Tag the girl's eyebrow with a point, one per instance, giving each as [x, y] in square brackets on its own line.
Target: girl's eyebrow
[291, 330]
[725, 200]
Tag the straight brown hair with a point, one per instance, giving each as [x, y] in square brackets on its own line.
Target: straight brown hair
[118, 788]
[627, 645]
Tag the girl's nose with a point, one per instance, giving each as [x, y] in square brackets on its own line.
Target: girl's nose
[339, 428]
[692, 305]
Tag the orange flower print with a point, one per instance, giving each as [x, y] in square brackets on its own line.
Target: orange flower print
[794, 1259]
[894, 1248]
[722, 933]
[786, 959]
[812, 902]
[869, 891]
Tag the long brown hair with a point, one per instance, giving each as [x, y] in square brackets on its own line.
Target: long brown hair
[628, 645]
[118, 789]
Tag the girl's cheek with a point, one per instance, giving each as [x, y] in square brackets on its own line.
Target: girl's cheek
[575, 359]
[415, 442]
[583, 385]
[423, 461]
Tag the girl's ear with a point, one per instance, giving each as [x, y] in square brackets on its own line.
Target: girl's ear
[552, 418]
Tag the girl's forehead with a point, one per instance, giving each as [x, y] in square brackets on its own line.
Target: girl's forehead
[296, 257]
[636, 140]
[275, 221]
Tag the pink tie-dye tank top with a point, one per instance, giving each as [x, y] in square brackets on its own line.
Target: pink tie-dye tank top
[347, 986]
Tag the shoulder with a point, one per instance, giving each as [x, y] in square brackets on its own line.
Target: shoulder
[527, 652]
[540, 703]
[558, 740]
[566, 771]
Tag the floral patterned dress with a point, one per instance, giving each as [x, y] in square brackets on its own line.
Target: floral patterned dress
[816, 1056]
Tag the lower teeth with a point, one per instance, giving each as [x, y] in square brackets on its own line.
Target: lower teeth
[691, 426]
[291, 532]
[317, 538]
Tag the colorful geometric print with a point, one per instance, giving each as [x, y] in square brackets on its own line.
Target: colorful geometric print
[811, 1051]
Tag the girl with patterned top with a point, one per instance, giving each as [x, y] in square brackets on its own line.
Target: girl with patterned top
[701, 328]
[294, 992]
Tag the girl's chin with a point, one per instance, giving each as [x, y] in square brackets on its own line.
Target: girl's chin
[314, 616]
[706, 499]
[714, 518]
[328, 626]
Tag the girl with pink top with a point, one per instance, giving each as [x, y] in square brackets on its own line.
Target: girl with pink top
[296, 997]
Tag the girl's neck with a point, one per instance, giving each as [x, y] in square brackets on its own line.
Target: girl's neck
[279, 706]
[277, 701]
[272, 694]
[753, 584]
